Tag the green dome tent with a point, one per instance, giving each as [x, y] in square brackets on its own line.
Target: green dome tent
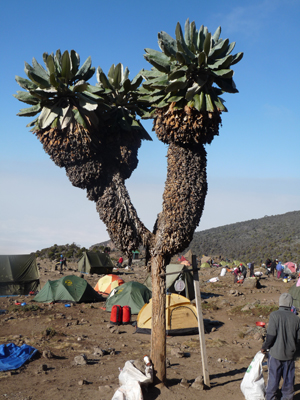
[18, 274]
[171, 279]
[95, 262]
[68, 288]
[132, 294]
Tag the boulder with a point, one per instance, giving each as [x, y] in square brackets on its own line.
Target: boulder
[250, 283]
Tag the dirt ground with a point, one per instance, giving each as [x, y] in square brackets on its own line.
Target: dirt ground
[62, 333]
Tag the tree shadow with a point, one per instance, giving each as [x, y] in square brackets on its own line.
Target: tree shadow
[227, 374]
[207, 295]
[151, 393]
[210, 324]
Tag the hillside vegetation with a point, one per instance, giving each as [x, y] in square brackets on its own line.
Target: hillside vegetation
[276, 236]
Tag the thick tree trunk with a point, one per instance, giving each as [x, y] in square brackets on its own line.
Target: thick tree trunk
[183, 203]
[158, 333]
[120, 217]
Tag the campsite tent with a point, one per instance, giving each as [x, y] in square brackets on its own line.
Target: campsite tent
[205, 265]
[181, 316]
[295, 293]
[18, 274]
[172, 279]
[95, 262]
[69, 288]
[289, 268]
[107, 283]
[132, 294]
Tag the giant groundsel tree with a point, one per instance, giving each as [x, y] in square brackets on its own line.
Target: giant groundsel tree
[91, 131]
[94, 133]
[184, 88]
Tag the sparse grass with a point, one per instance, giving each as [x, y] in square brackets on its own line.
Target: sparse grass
[28, 307]
[193, 343]
[217, 285]
[216, 343]
[257, 310]
[209, 306]
[49, 332]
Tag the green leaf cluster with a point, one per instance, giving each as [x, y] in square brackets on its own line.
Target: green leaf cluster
[194, 69]
[62, 96]
[59, 92]
[121, 100]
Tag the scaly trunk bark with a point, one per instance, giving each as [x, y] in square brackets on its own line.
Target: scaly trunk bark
[183, 203]
[120, 217]
[158, 334]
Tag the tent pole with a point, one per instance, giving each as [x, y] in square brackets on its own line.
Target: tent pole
[200, 322]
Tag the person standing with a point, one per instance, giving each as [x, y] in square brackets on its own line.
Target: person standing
[273, 266]
[120, 262]
[243, 270]
[283, 336]
[279, 269]
[251, 268]
[61, 262]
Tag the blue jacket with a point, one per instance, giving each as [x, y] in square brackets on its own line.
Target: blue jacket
[279, 266]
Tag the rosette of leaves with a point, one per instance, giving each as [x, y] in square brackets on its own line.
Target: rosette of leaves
[119, 112]
[64, 105]
[185, 85]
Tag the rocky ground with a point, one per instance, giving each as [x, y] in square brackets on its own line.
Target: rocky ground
[80, 353]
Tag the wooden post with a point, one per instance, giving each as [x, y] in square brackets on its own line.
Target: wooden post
[200, 322]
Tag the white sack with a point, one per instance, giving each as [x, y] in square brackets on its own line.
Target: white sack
[131, 379]
[253, 384]
[223, 271]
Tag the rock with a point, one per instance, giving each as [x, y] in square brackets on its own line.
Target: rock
[47, 354]
[80, 360]
[234, 293]
[114, 329]
[198, 383]
[250, 283]
[42, 368]
[104, 388]
[177, 353]
[82, 382]
[184, 383]
[98, 352]
[257, 336]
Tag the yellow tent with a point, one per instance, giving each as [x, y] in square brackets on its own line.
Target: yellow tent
[205, 265]
[181, 316]
[107, 283]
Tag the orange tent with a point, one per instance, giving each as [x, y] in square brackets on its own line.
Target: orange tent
[107, 283]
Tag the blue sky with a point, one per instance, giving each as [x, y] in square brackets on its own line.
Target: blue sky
[253, 165]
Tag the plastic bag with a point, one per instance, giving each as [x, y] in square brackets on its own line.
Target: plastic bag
[212, 280]
[131, 379]
[253, 384]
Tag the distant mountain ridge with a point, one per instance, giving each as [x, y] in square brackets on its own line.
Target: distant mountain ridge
[276, 236]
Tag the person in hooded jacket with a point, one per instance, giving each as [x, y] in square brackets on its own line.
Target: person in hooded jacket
[282, 340]
[279, 269]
